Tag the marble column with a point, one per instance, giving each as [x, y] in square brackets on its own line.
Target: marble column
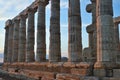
[22, 39]
[105, 34]
[30, 36]
[6, 43]
[15, 40]
[55, 45]
[116, 33]
[116, 41]
[41, 33]
[10, 41]
[74, 42]
[90, 30]
[91, 8]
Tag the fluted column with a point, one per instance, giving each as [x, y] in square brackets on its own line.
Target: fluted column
[10, 41]
[41, 33]
[15, 40]
[6, 43]
[74, 43]
[90, 30]
[30, 36]
[55, 45]
[22, 39]
[105, 34]
[91, 8]
[116, 33]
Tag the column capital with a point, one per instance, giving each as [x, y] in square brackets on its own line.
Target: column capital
[90, 28]
[89, 8]
[22, 16]
[16, 20]
[8, 23]
[93, 0]
[33, 10]
[42, 2]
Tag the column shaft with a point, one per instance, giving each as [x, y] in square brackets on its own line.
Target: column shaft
[105, 33]
[22, 39]
[10, 42]
[116, 33]
[74, 43]
[30, 36]
[55, 45]
[15, 40]
[6, 43]
[41, 34]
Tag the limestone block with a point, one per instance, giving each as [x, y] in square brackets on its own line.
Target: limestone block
[116, 73]
[108, 78]
[69, 64]
[67, 77]
[83, 65]
[100, 72]
[82, 72]
[91, 78]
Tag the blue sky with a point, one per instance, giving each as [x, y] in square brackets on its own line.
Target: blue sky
[11, 8]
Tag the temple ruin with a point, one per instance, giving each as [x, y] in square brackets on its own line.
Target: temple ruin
[100, 61]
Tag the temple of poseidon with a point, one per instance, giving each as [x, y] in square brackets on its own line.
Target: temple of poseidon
[99, 61]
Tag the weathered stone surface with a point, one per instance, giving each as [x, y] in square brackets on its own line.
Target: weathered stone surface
[15, 40]
[74, 32]
[116, 73]
[82, 72]
[107, 78]
[67, 77]
[41, 35]
[22, 39]
[30, 36]
[54, 47]
[105, 33]
[100, 72]
[83, 65]
[10, 41]
[6, 43]
[91, 78]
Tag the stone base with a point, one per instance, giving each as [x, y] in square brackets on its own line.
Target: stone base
[116, 73]
[100, 72]
[107, 78]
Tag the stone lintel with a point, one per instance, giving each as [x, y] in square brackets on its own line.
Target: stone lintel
[90, 28]
[116, 19]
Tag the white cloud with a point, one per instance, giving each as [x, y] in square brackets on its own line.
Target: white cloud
[1, 59]
[1, 50]
[10, 9]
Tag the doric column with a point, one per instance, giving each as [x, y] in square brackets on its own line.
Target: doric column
[105, 34]
[30, 36]
[91, 8]
[90, 30]
[116, 33]
[74, 43]
[41, 34]
[55, 45]
[6, 42]
[22, 39]
[15, 40]
[10, 41]
[116, 41]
